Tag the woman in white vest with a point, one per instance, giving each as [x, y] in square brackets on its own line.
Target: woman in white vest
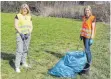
[23, 26]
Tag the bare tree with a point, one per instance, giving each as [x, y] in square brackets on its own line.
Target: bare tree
[65, 9]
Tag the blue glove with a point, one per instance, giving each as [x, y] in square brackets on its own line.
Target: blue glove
[91, 41]
[26, 36]
[81, 37]
[22, 36]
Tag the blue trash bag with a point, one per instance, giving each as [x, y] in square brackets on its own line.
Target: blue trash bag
[70, 65]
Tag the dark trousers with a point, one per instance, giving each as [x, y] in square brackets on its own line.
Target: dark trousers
[86, 42]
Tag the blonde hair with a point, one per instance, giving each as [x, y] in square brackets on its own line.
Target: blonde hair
[24, 6]
[87, 7]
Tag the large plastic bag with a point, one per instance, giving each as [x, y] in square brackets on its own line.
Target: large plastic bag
[71, 64]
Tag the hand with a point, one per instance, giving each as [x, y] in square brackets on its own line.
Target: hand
[81, 37]
[22, 36]
[26, 36]
[91, 41]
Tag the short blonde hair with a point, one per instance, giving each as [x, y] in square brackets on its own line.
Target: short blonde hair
[25, 6]
[87, 7]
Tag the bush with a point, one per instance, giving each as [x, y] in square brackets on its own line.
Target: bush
[64, 9]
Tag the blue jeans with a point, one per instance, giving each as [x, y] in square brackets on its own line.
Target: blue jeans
[86, 42]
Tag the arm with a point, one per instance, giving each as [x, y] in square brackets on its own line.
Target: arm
[16, 26]
[93, 29]
[31, 28]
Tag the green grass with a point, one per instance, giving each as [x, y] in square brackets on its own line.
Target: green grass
[51, 38]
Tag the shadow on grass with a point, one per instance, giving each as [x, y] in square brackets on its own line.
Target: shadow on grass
[57, 54]
[9, 57]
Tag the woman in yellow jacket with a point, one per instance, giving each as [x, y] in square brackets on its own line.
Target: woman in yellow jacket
[23, 26]
[88, 32]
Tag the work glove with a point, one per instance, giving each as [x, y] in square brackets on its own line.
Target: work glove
[91, 41]
[81, 37]
[26, 36]
[22, 36]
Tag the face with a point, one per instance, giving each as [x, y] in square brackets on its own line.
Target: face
[87, 12]
[24, 11]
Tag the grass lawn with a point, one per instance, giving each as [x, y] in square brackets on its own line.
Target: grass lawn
[51, 38]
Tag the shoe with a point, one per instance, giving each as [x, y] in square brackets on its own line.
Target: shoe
[25, 65]
[17, 70]
[85, 70]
